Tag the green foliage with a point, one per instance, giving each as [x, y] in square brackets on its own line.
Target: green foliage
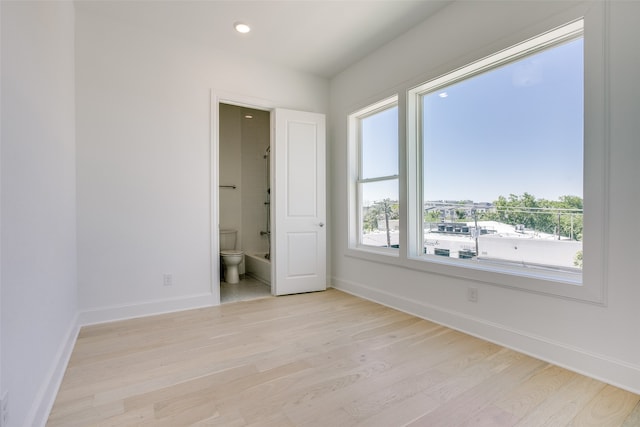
[577, 260]
[432, 216]
[382, 210]
[562, 216]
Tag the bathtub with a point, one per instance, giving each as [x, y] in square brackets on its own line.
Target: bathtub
[258, 267]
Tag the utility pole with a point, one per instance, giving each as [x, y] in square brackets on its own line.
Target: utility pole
[476, 231]
[386, 221]
[571, 225]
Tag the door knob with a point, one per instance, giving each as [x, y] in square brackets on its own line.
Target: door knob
[321, 224]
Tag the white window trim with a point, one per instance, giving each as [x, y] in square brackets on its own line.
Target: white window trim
[355, 166]
[596, 147]
[596, 180]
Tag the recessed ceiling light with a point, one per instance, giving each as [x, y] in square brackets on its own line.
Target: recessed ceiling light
[248, 116]
[241, 27]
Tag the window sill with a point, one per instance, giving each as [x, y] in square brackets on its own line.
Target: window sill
[383, 255]
[564, 285]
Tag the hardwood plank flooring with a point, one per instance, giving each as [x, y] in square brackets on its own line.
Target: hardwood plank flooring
[319, 359]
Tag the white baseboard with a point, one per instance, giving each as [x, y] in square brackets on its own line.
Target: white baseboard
[615, 372]
[149, 308]
[46, 396]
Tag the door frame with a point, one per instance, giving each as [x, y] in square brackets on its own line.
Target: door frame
[217, 98]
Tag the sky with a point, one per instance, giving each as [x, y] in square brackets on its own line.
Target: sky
[515, 129]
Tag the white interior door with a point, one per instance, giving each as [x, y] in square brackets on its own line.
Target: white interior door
[299, 207]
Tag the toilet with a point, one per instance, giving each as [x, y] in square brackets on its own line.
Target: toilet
[231, 258]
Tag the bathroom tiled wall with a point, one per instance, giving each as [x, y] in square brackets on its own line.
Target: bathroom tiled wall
[243, 144]
[255, 141]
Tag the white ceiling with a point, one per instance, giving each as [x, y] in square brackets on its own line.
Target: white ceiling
[322, 37]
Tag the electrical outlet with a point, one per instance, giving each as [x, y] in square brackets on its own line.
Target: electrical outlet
[4, 410]
[472, 294]
[167, 279]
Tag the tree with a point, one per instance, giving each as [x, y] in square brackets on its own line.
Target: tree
[577, 260]
[384, 209]
[432, 216]
[561, 217]
[370, 219]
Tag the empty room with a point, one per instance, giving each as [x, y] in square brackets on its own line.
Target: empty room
[312, 213]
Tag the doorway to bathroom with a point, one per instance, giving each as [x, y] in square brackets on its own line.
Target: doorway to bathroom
[244, 158]
[272, 197]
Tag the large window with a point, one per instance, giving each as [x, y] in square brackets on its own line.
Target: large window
[499, 150]
[374, 136]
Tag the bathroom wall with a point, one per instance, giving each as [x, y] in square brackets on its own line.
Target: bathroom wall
[230, 167]
[243, 143]
[255, 141]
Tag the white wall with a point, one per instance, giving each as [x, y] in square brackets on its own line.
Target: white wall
[143, 136]
[39, 292]
[598, 340]
[1, 84]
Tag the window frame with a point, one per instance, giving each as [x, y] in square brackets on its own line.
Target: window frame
[591, 286]
[356, 166]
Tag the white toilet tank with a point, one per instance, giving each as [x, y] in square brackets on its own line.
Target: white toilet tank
[228, 239]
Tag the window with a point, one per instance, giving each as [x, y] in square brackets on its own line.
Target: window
[499, 155]
[374, 156]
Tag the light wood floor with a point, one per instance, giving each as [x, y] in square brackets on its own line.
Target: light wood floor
[321, 359]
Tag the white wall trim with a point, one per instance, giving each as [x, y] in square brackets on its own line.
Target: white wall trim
[148, 308]
[46, 396]
[603, 368]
